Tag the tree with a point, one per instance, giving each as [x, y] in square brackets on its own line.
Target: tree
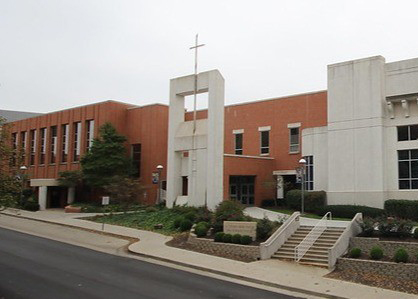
[124, 190]
[10, 185]
[70, 178]
[106, 158]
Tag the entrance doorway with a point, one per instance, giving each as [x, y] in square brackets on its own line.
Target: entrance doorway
[56, 197]
[241, 188]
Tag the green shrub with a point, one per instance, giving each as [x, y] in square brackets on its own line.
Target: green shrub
[401, 256]
[185, 224]
[228, 210]
[314, 201]
[367, 227]
[407, 209]
[177, 221]
[31, 206]
[203, 223]
[201, 230]
[264, 228]
[395, 227]
[190, 215]
[246, 240]
[219, 236]
[236, 239]
[268, 203]
[203, 215]
[227, 238]
[416, 233]
[376, 253]
[349, 211]
[151, 210]
[355, 253]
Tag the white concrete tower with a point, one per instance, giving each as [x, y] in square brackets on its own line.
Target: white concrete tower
[203, 163]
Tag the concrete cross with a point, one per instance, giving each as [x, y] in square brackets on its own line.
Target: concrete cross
[195, 47]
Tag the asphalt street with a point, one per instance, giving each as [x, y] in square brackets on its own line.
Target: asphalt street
[34, 267]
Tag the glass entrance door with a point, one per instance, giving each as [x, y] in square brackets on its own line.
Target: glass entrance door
[241, 188]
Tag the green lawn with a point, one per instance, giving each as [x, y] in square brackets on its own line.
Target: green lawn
[307, 215]
[143, 219]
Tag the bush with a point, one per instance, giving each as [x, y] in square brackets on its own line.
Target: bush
[264, 228]
[349, 211]
[246, 240]
[314, 201]
[355, 253]
[394, 227]
[401, 256]
[219, 237]
[227, 238]
[228, 210]
[201, 230]
[376, 253]
[185, 224]
[203, 215]
[190, 216]
[407, 209]
[31, 206]
[416, 233]
[177, 221]
[367, 227]
[268, 203]
[236, 239]
[151, 210]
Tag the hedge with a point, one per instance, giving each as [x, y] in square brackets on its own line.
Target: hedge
[349, 211]
[314, 201]
[407, 209]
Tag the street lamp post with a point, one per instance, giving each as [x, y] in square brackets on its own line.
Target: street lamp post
[22, 181]
[302, 163]
[159, 169]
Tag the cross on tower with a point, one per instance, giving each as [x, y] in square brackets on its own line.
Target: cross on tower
[195, 47]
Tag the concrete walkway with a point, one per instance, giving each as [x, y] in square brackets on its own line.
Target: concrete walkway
[286, 275]
[260, 213]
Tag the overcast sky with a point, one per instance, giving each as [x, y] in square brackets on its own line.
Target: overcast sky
[57, 54]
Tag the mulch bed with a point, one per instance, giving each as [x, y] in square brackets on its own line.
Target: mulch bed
[180, 241]
[380, 281]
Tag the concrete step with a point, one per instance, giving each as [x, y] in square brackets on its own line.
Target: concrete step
[306, 256]
[314, 247]
[315, 251]
[300, 239]
[322, 261]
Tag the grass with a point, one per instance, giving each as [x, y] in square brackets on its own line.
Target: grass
[144, 219]
[307, 215]
[97, 208]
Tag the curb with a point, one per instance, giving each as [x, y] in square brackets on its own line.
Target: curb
[209, 270]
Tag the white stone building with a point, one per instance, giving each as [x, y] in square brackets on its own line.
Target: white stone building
[368, 152]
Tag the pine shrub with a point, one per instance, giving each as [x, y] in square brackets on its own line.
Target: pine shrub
[219, 236]
[355, 253]
[236, 239]
[201, 230]
[185, 224]
[246, 240]
[401, 256]
[177, 221]
[227, 238]
[376, 253]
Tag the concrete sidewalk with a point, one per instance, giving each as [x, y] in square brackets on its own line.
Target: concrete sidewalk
[286, 275]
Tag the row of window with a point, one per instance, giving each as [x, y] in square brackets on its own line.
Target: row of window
[265, 140]
[41, 147]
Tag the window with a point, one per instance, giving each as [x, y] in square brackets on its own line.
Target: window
[14, 147]
[64, 143]
[264, 140]
[294, 140]
[238, 143]
[32, 147]
[408, 133]
[23, 147]
[309, 174]
[77, 135]
[53, 144]
[136, 159]
[408, 169]
[43, 147]
[89, 134]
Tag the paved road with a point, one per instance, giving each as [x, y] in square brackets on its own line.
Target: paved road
[34, 267]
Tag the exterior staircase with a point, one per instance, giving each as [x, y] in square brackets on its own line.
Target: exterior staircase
[317, 255]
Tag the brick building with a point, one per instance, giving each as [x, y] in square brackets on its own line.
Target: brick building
[262, 141]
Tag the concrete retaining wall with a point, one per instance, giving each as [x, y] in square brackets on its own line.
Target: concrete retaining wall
[389, 247]
[211, 247]
[395, 270]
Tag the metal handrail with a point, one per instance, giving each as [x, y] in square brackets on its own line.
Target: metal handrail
[311, 238]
